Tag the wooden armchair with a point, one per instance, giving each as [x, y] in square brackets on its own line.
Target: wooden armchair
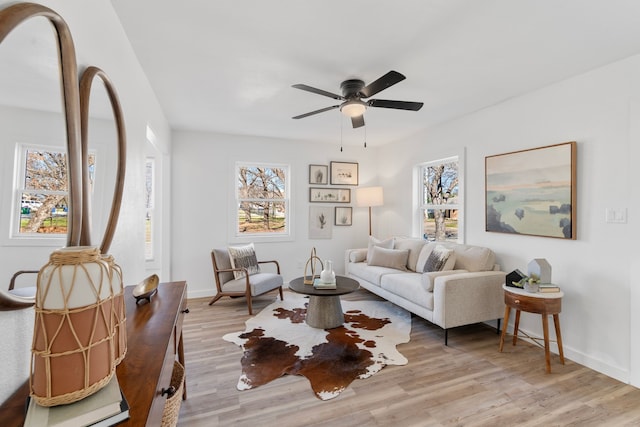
[248, 286]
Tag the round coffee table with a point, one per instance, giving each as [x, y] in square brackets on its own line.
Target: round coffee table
[324, 310]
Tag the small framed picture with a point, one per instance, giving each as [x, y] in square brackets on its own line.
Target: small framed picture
[329, 195]
[318, 174]
[320, 222]
[343, 173]
[343, 216]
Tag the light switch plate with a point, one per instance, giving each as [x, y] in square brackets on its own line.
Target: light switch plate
[616, 215]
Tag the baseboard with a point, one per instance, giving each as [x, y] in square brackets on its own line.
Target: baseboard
[209, 293]
[583, 359]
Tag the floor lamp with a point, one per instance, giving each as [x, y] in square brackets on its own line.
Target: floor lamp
[369, 197]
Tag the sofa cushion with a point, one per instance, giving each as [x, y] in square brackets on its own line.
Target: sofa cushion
[408, 286]
[392, 258]
[474, 258]
[414, 246]
[387, 244]
[243, 257]
[440, 259]
[370, 273]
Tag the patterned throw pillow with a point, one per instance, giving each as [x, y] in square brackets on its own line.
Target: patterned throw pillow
[243, 257]
[439, 258]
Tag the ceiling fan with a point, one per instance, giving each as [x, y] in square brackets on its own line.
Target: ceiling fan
[353, 93]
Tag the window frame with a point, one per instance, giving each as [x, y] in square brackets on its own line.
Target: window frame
[286, 235]
[420, 205]
[15, 237]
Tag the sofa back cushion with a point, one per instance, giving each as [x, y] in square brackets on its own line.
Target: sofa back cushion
[391, 258]
[414, 246]
[468, 257]
[387, 244]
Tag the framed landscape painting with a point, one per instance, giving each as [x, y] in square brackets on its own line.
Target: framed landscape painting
[343, 173]
[532, 192]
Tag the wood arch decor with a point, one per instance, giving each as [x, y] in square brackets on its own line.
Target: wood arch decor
[10, 18]
[88, 76]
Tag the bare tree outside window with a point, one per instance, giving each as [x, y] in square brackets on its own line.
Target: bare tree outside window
[43, 194]
[440, 200]
[262, 199]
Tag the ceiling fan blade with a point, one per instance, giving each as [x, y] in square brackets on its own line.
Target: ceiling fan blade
[319, 91]
[398, 105]
[357, 121]
[389, 79]
[322, 110]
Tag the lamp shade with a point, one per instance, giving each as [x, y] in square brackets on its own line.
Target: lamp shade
[369, 196]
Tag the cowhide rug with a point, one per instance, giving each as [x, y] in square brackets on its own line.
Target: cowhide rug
[278, 341]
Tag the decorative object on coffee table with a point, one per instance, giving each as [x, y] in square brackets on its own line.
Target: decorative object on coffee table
[541, 268]
[312, 265]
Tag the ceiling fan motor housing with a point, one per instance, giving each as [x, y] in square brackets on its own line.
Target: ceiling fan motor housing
[351, 88]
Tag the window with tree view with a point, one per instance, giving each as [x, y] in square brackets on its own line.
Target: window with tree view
[262, 199]
[441, 201]
[42, 191]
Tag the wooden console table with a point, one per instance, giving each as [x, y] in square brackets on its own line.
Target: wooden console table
[545, 304]
[154, 339]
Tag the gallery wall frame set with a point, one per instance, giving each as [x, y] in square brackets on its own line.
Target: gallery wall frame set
[343, 216]
[318, 174]
[344, 173]
[329, 195]
[533, 192]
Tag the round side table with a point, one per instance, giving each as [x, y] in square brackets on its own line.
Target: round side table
[545, 304]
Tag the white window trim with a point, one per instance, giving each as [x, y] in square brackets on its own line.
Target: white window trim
[234, 236]
[419, 207]
[13, 237]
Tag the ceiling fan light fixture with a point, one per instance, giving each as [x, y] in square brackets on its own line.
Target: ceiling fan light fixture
[353, 108]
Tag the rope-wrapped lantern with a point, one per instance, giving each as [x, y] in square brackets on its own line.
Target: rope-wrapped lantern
[73, 351]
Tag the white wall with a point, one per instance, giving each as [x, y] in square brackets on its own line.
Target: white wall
[203, 185]
[595, 271]
[100, 41]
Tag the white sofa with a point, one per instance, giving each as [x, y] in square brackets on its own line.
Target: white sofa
[467, 290]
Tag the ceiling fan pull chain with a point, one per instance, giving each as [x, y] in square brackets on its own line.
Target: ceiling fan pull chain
[341, 126]
[365, 136]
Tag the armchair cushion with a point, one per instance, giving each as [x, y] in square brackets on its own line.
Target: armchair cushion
[258, 282]
[243, 257]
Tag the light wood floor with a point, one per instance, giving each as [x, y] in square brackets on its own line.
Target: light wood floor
[468, 383]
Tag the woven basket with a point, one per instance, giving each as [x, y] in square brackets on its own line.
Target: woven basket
[172, 405]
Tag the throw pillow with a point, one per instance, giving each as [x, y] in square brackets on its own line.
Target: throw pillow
[414, 246]
[440, 259]
[243, 257]
[387, 244]
[391, 258]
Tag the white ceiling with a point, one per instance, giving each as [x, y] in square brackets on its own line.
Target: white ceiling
[228, 65]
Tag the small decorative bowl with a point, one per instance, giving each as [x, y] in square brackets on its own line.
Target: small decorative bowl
[145, 289]
[531, 287]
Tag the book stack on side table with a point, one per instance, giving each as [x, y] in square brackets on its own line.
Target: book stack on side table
[548, 287]
[319, 284]
[105, 407]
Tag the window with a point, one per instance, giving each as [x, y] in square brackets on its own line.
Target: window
[262, 198]
[41, 205]
[440, 205]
